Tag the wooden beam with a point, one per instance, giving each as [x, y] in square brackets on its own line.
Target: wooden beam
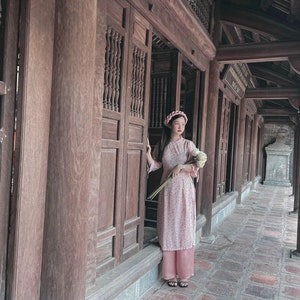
[168, 16]
[2, 88]
[295, 63]
[276, 112]
[295, 8]
[279, 121]
[295, 103]
[231, 34]
[258, 52]
[265, 4]
[272, 93]
[272, 75]
[257, 21]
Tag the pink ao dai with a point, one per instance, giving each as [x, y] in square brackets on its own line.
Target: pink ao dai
[176, 216]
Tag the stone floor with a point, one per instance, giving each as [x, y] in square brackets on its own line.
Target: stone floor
[250, 257]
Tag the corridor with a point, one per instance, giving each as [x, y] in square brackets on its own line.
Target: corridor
[250, 255]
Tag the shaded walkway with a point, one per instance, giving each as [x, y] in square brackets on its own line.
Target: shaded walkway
[250, 257]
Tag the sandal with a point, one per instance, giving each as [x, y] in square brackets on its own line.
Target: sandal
[183, 283]
[172, 282]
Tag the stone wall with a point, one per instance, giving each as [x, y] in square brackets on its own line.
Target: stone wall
[271, 133]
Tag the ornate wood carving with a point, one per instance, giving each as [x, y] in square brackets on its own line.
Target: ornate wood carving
[295, 63]
[138, 82]
[256, 21]
[159, 97]
[202, 9]
[223, 129]
[112, 69]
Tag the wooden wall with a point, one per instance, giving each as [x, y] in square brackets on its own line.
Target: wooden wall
[87, 64]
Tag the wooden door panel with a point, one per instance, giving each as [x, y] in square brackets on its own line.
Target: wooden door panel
[136, 123]
[107, 189]
[104, 257]
[133, 184]
[224, 114]
[122, 143]
[109, 217]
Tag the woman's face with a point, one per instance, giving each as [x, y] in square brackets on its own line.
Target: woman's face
[178, 126]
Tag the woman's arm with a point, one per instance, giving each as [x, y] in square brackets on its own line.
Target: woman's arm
[150, 160]
[153, 164]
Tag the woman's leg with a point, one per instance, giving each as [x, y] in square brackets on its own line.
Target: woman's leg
[185, 263]
[169, 265]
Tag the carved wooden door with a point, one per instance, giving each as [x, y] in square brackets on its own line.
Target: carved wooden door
[8, 66]
[222, 149]
[119, 211]
[247, 149]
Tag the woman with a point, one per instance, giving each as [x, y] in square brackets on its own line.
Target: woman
[176, 217]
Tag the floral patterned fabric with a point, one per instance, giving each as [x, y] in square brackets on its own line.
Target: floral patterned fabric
[176, 217]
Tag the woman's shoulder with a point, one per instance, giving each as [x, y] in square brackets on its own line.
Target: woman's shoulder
[188, 143]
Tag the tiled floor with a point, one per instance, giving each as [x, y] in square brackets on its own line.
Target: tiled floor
[250, 256]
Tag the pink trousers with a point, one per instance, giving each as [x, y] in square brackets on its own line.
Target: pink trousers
[178, 263]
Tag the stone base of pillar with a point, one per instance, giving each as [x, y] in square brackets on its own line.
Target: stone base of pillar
[293, 212]
[295, 254]
[208, 239]
[277, 183]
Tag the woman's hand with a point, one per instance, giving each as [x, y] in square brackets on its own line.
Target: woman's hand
[176, 170]
[148, 147]
[148, 153]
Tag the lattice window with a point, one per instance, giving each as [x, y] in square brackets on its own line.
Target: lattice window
[202, 9]
[138, 83]
[159, 100]
[112, 69]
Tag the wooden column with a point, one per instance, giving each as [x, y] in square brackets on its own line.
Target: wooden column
[296, 252]
[254, 140]
[177, 63]
[210, 147]
[261, 150]
[209, 174]
[8, 68]
[240, 152]
[34, 99]
[201, 136]
[296, 174]
[65, 243]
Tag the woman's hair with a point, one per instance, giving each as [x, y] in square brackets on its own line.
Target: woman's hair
[166, 137]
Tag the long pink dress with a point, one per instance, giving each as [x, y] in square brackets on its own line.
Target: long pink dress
[176, 217]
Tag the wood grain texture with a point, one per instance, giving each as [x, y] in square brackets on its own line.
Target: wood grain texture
[66, 230]
[26, 239]
[7, 110]
[168, 16]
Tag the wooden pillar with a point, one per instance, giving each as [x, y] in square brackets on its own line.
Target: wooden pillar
[66, 221]
[240, 152]
[254, 140]
[8, 100]
[210, 146]
[209, 174]
[34, 101]
[296, 187]
[176, 89]
[201, 136]
[261, 150]
[296, 252]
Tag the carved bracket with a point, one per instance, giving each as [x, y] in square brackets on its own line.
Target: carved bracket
[295, 63]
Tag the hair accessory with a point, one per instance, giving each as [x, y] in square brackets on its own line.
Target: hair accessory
[174, 113]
